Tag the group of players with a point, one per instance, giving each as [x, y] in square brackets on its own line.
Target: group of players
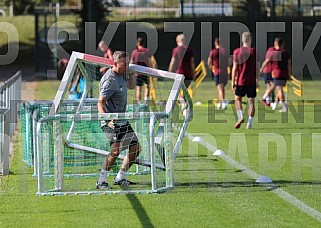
[244, 82]
[276, 70]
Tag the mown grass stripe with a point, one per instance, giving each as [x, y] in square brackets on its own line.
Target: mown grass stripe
[274, 188]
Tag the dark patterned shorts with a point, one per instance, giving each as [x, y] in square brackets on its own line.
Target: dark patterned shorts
[121, 133]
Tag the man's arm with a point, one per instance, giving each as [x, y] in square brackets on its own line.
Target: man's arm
[266, 61]
[209, 62]
[193, 67]
[172, 64]
[289, 69]
[257, 74]
[102, 109]
[101, 104]
[103, 69]
[131, 81]
[233, 84]
[109, 54]
[268, 58]
[131, 59]
[148, 56]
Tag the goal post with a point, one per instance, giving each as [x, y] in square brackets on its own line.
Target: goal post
[70, 146]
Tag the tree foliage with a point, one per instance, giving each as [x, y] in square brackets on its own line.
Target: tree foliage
[27, 6]
[252, 8]
[95, 11]
[22, 6]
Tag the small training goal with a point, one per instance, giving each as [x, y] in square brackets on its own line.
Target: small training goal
[64, 142]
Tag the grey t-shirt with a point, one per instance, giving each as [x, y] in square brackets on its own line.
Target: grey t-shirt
[114, 88]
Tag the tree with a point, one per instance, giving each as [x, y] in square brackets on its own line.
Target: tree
[27, 6]
[253, 12]
[22, 6]
[95, 11]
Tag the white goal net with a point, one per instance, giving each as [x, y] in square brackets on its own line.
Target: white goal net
[71, 146]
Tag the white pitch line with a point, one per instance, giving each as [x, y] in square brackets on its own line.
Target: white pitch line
[274, 188]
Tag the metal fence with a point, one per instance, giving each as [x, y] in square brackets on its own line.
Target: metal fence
[10, 96]
[6, 9]
[137, 9]
[203, 8]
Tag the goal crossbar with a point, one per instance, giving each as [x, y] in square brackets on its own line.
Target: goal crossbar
[76, 56]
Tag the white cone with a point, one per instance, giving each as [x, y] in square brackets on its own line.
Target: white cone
[196, 139]
[218, 153]
[263, 180]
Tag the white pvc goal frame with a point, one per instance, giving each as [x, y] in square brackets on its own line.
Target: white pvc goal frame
[163, 118]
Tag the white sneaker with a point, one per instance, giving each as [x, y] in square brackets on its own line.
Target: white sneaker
[219, 105]
[184, 109]
[184, 113]
[282, 110]
[224, 104]
[103, 185]
[274, 105]
[248, 126]
[183, 106]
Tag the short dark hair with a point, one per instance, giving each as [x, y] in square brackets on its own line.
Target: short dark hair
[140, 41]
[279, 41]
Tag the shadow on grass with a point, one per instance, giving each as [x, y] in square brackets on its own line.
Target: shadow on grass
[187, 156]
[212, 184]
[245, 184]
[140, 211]
[206, 170]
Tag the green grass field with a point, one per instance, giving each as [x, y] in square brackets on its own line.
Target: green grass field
[209, 192]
